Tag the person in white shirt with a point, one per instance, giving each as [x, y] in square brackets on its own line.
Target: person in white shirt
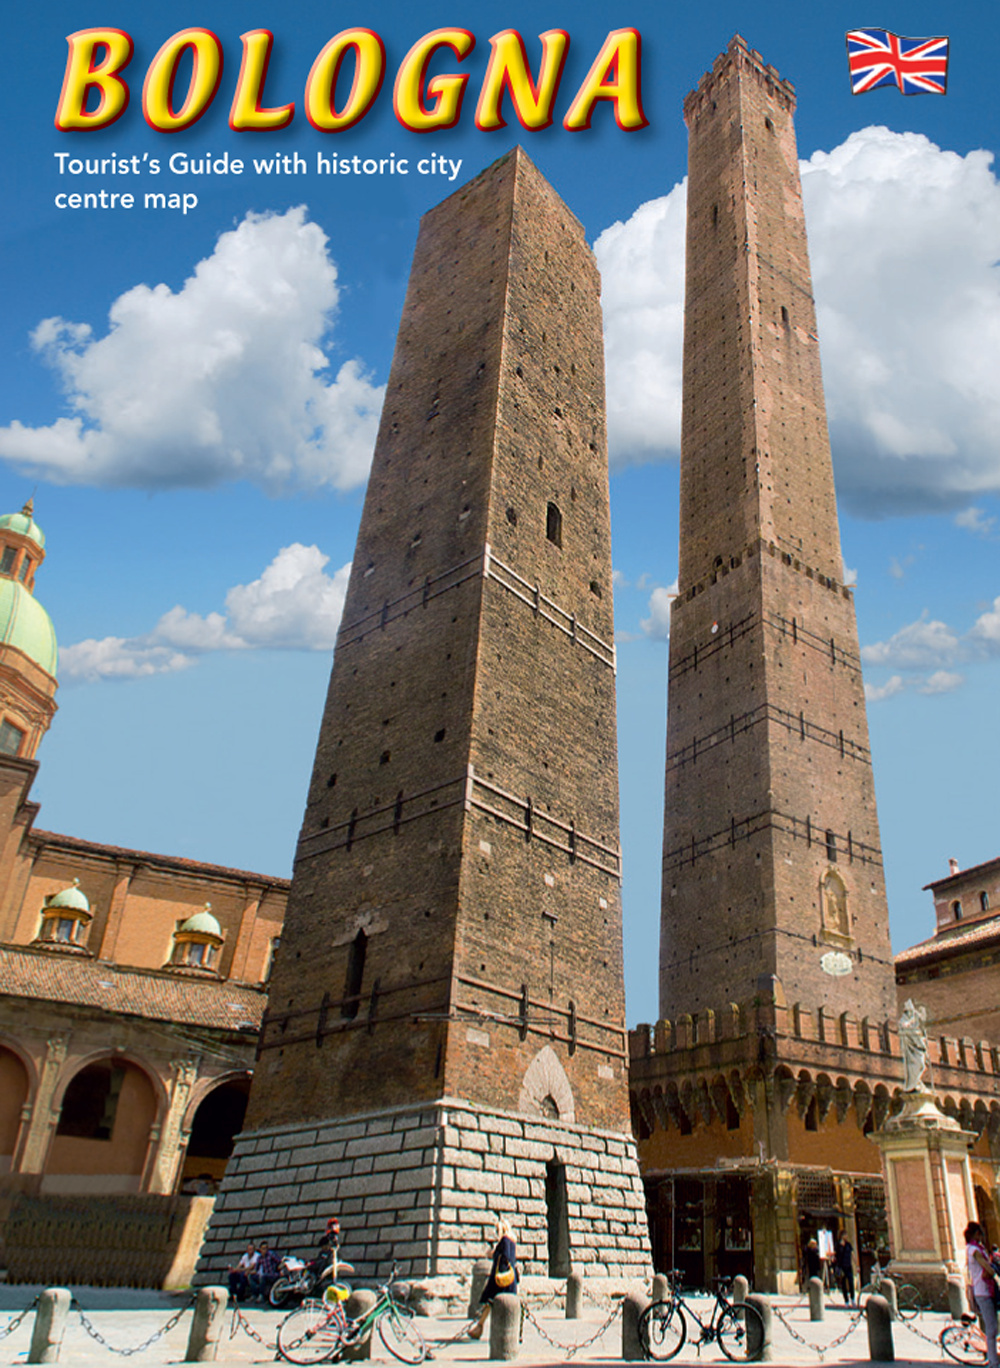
[982, 1285]
[239, 1275]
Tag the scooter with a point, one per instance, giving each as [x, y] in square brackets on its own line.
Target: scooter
[297, 1280]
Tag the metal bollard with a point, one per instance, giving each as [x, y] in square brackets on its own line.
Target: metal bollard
[505, 1326]
[208, 1325]
[887, 1289]
[764, 1351]
[741, 1289]
[633, 1305]
[50, 1325]
[358, 1304]
[661, 1287]
[480, 1276]
[880, 1348]
[956, 1299]
[817, 1310]
[574, 1296]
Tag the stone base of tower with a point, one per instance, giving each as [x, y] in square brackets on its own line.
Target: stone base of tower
[423, 1185]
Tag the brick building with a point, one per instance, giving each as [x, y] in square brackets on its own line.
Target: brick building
[133, 986]
[776, 1054]
[446, 1036]
[954, 972]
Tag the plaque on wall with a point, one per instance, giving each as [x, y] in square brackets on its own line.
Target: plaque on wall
[835, 962]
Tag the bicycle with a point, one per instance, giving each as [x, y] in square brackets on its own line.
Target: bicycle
[319, 1331]
[908, 1299]
[964, 1341]
[737, 1328]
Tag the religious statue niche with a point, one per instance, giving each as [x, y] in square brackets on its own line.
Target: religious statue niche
[833, 901]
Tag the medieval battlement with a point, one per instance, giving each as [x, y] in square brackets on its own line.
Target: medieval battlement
[738, 56]
[753, 1036]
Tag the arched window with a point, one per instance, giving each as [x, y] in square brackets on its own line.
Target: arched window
[355, 975]
[956, 910]
[553, 524]
[984, 901]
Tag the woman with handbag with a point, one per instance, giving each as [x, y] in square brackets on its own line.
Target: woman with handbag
[503, 1275]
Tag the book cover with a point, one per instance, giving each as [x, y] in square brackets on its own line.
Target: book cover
[202, 294]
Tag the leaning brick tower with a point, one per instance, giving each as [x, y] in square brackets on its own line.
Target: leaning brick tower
[775, 1055]
[772, 868]
[445, 1038]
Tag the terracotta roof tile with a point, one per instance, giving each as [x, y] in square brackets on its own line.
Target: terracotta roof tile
[161, 995]
[943, 945]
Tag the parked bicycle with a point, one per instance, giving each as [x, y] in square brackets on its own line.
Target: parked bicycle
[737, 1328]
[319, 1331]
[964, 1341]
[908, 1299]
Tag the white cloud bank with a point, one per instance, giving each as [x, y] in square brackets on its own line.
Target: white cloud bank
[904, 238]
[226, 379]
[925, 650]
[294, 605]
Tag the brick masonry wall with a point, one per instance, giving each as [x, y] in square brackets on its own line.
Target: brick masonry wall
[423, 1186]
[772, 861]
[462, 819]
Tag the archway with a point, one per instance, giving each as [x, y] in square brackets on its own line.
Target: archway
[102, 1137]
[14, 1085]
[214, 1127]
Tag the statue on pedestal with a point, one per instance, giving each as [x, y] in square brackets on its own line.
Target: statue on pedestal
[913, 1043]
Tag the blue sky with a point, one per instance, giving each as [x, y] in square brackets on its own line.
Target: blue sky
[198, 461]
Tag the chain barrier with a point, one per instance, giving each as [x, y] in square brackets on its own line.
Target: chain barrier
[240, 1322]
[15, 1321]
[462, 1334]
[95, 1334]
[909, 1325]
[821, 1349]
[570, 1349]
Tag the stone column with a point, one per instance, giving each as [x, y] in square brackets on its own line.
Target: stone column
[43, 1119]
[169, 1150]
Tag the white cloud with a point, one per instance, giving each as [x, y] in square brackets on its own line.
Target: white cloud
[225, 379]
[985, 633]
[294, 605]
[976, 521]
[657, 625]
[849, 576]
[923, 644]
[875, 693]
[942, 681]
[642, 290]
[903, 240]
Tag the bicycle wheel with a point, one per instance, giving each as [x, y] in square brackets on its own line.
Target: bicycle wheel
[908, 1301]
[400, 1336]
[740, 1333]
[964, 1343]
[662, 1330]
[312, 1334]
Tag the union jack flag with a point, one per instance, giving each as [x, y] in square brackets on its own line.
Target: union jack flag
[917, 66]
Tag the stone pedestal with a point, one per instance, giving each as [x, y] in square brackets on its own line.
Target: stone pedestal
[929, 1196]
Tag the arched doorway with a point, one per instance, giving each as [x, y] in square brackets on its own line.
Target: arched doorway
[216, 1123]
[102, 1136]
[14, 1084]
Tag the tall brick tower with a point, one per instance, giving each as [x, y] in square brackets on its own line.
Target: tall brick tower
[446, 1038]
[771, 859]
[775, 1054]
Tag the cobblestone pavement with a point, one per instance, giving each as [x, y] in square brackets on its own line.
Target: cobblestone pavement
[125, 1318]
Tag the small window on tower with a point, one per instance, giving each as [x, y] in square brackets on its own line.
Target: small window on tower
[984, 901]
[23, 568]
[355, 976]
[956, 909]
[831, 846]
[11, 738]
[553, 525]
[7, 560]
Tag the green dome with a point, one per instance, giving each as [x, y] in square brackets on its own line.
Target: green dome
[24, 623]
[71, 898]
[203, 924]
[25, 524]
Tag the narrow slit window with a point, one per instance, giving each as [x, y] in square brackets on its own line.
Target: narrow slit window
[355, 975]
[553, 525]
